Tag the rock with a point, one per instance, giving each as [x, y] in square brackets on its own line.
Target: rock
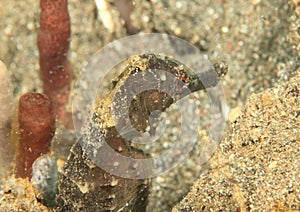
[17, 194]
[257, 165]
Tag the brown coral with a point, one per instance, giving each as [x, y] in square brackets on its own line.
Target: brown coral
[37, 126]
[53, 44]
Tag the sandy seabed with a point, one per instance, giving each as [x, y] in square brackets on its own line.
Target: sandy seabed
[259, 41]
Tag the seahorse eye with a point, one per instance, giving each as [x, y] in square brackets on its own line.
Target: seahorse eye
[194, 81]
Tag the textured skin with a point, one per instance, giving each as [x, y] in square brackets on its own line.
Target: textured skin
[84, 186]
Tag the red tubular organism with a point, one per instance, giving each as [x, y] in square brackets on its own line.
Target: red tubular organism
[36, 127]
[53, 45]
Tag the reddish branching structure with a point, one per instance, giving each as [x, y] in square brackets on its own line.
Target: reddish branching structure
[53, 45]
[36, 128]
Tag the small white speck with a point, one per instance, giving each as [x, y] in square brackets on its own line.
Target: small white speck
[179, 4]
[163, 77]
[146, 18]
[225, 29]
[116, 164]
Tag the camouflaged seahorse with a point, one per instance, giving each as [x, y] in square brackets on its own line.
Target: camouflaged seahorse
[83, 185]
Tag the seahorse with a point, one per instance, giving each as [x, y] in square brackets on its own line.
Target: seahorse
[149, 83]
